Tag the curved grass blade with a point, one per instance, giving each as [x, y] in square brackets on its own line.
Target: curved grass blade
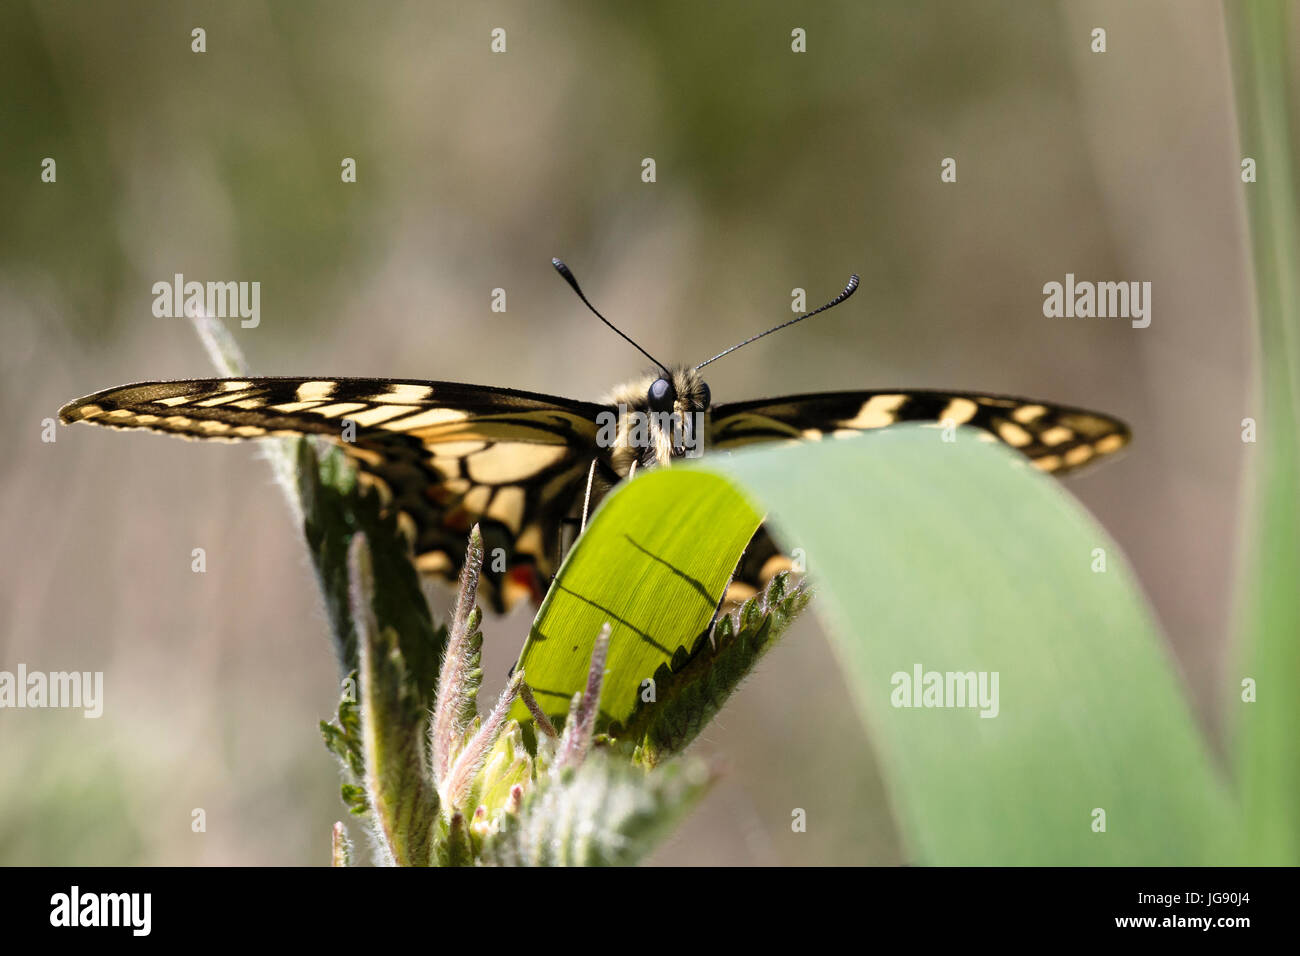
[960, 557]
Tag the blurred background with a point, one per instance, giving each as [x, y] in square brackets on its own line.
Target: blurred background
[775, 170]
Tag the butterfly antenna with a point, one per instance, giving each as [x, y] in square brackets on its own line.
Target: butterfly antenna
[849, 289]
[563, 270]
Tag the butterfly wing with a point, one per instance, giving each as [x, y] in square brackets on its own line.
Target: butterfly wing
[444, 454]
[1055, 438]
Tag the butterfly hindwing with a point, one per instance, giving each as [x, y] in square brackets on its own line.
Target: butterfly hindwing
[444, 454]
[1055, 438]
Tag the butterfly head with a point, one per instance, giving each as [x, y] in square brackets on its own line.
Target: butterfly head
[683, 390]
[664, 415]
[661, 416]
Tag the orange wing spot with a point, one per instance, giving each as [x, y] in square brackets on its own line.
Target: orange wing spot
[774, 566]
[457, 519]
[523, 581]
[738, 593]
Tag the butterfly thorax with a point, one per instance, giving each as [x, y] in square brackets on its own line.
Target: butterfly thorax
[659, 418]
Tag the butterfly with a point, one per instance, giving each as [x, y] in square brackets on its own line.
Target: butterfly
[527, 467]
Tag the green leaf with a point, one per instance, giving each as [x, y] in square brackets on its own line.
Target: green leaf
[354, 797]
[653, 563]
[509, 764]
[1269, 748]
[688, 699]
[604, 813]
[399, 789]
[340, 846]
[343, 735]
[455, 846]
[336, 507]
[960, 556]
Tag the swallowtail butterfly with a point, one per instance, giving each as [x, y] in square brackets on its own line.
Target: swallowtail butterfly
[524, 465]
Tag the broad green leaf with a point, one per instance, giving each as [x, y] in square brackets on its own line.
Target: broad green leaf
[653, 562]
[960, 556]
[1269, 748]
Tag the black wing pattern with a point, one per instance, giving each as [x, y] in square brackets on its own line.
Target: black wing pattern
[1056, 438]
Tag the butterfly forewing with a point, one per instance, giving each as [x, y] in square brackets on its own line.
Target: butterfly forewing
[444, 454]
[1056, 438]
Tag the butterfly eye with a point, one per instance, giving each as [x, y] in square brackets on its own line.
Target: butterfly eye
[662, 396]
[706, 399]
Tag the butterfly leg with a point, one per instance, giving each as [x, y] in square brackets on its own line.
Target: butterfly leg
[586, 501]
